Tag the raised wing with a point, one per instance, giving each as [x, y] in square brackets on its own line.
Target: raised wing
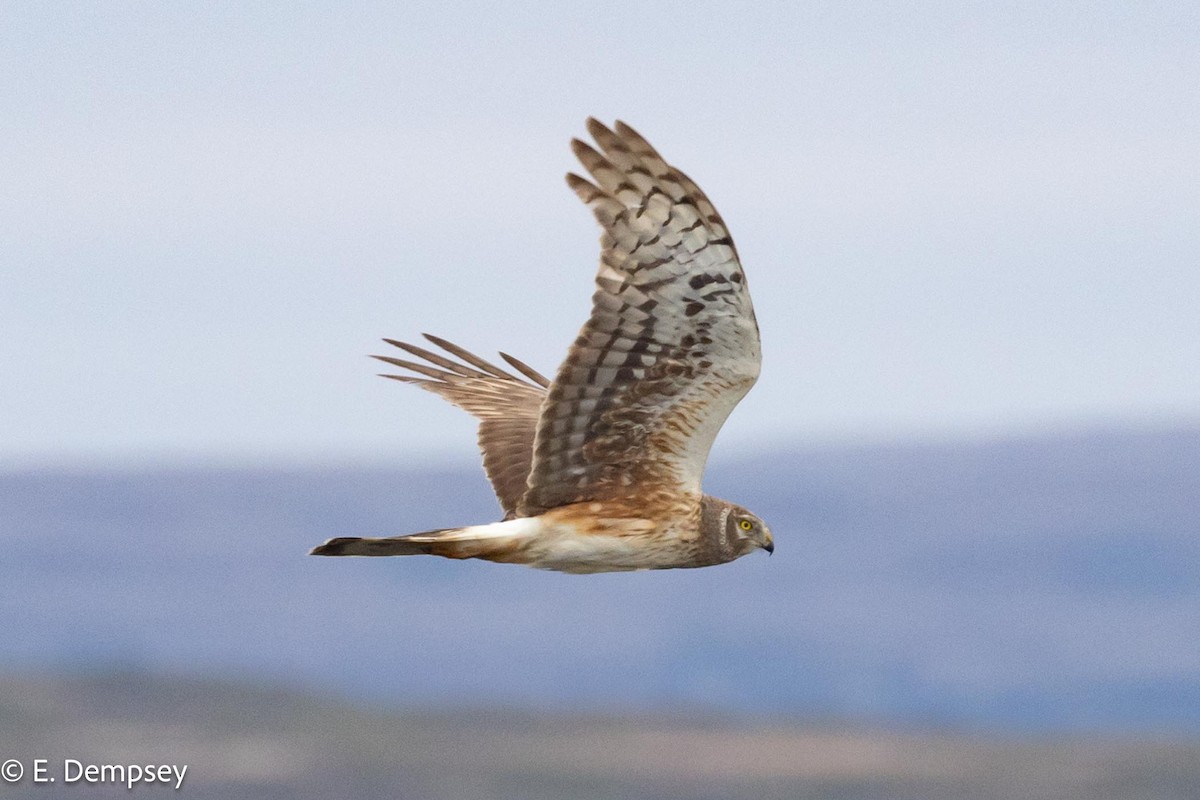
[671, 346]
[505, 405]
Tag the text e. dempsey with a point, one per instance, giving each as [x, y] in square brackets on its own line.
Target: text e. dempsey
[127, 775]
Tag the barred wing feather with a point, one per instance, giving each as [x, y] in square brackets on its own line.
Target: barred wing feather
[670, 348]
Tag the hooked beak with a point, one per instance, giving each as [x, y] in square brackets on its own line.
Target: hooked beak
[768, 542]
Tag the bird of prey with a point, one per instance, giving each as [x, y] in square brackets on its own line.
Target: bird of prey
[599, 470]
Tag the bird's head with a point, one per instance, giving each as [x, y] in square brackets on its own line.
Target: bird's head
[748, 531]
[740, 531]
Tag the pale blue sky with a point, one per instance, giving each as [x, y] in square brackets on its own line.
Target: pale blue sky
[956, 218]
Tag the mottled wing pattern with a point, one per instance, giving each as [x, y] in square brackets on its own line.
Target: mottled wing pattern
[506, 406]
[671, 345]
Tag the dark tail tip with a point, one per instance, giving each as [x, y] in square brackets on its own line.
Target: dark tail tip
[334, 547]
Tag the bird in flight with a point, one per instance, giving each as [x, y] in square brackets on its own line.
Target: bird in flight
[599, 470]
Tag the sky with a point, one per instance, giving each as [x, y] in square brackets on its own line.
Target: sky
[956, 219]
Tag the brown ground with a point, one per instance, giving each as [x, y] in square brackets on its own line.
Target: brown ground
[243, 742]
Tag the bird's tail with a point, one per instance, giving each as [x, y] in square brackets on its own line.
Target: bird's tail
[500, 541]
[414, 545]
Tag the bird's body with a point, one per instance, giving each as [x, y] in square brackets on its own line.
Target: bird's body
[579, 538]
[600, 469]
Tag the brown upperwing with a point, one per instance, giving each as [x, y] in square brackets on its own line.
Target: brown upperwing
[671, 345]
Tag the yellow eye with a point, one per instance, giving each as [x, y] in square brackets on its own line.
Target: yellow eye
[745, 524]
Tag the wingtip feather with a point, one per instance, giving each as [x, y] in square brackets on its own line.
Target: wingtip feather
[597, 129]
[412, 366]
[469, 357]
[587, 191]
[526, 370]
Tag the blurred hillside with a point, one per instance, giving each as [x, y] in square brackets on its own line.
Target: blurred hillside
[239, 741]
[1024, 585]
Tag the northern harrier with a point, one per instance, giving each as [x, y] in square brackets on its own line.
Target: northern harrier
[599, 470]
